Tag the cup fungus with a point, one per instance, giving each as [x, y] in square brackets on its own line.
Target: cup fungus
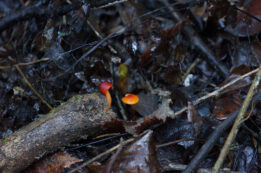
[130, 99]
[104, 89]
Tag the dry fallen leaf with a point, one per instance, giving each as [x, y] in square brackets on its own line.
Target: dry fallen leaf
[54, 163]
[139, 156]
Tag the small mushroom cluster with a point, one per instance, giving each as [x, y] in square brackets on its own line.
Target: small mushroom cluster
[129, 99]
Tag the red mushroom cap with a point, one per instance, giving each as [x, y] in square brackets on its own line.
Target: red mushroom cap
[104, 87]
[130, 99]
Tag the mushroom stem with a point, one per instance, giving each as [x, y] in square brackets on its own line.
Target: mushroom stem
[132, 112]
[108, 98]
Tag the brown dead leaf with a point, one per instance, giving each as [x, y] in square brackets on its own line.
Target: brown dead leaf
[247, 20]
[229, 102]
[54, 163]
[139, 156]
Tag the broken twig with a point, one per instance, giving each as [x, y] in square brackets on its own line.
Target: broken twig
[78, 118]
[31, 87]
[210, 143]
[102, 154]
[238, 122]
[216, 92]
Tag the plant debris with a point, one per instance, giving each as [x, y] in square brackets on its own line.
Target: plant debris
[189, 63]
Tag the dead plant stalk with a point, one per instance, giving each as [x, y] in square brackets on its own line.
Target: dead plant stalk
[237, 122]
[217, 92]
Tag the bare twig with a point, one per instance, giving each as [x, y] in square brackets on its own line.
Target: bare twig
[100, 36]
[102, 154]
[197, 41]
[191, 67]
[175, 142]
[238, 122]
[99, 43]
[31, 87]
[113, 159]
[210, 143]
[217, 92]
[114, 51]
[180, 167]
[24, 63]
[111, 3]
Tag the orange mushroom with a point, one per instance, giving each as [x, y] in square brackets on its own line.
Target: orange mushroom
[104, 89]
[130, 99]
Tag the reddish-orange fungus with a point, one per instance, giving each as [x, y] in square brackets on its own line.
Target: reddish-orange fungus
[104, 89]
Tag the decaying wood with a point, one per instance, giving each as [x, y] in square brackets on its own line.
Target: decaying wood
[79, 117]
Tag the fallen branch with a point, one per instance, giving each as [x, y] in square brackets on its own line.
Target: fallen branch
[79, 117]
[238, 122]
[204, 150]
[83, 116]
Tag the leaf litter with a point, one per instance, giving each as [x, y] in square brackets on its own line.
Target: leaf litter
[157, 55]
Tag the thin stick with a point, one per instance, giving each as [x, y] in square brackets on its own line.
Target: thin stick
[100, 36]
[113, 159]
[31, 87]
[102, 154]
[217, 92]
[191, 67]
[209, 144]
[237, 122]
[114, 51]
[168, 167]
[111, 4]
[175, 142]
[24, 63]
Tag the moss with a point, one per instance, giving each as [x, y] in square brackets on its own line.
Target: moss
[76, 97]
[8, 138]
[3, 140]
[52, 112]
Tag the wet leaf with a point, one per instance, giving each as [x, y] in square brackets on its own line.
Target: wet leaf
[229, 102]
[139, 156]
[55, 163]
[123, 70]
[174, 130]
[246, 53]
[147, 104]
[245, 23]
[225, 106]
[236, 72]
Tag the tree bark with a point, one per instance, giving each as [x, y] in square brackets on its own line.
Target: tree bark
[79, 117]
